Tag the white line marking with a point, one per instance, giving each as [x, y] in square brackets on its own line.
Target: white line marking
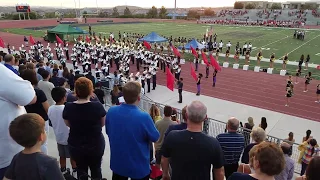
[303, 44]
[318, 54]
[271, 43]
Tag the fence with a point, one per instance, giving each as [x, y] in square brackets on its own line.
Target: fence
[213, 127]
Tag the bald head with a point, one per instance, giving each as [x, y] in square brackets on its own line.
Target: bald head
[285, 147]
[196, 112]
[233, 124]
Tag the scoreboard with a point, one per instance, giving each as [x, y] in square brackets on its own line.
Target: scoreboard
[23, 9]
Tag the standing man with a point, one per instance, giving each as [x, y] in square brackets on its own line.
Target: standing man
[180, 86]
[130, 132]
[12, 103]
[232, 144]
[148, 77]
[192, 153]
[154, 78]
[9, 62]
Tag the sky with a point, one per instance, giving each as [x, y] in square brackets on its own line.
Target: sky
[112, 3]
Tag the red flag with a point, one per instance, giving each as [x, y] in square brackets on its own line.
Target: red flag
[2, 43]
[87, 39]
[170, 79]
[193, 72]
[59, 41]
[204, 57]
[175, 51]
[214, 63]
[32, 41]
[194, 52]
[147, 45]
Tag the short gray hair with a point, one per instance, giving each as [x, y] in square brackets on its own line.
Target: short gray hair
[8, 58]
[258, 134]
[196, 112]
[233, 123]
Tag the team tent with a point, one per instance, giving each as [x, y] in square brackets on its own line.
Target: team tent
[61, 30]
[153, 37]
[79, 29]
[194, 43]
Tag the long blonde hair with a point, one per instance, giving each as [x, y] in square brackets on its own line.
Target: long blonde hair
[154, 112]
[115, 90]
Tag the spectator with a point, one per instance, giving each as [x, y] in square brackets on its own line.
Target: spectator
[60, 72]
[55, 80]
[268, 161]
[308, 135]
[65, 73]
[312, 172]
[12, 103]
[32, 67]
[115, 94]
[130, 132]
[60, 129]
[28, 130]
[263, 123]
[162, 126]
[174, 116]
[9, 62]
[46, 86]
[232, 144]
[258, 135]
[308, 149]
[55, 69]
[290, 141]
[191, 152]
[22, 67]
[247, 130]
[154, 113]
[89, 76]
[48, 67]
[99, 92]
[288, 171]
[71, 80]
[86, 142]
[41, 106]
[181, 126]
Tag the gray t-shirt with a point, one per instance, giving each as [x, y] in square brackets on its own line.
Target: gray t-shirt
[36, 166]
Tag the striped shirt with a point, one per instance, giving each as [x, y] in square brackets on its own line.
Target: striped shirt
[232, 144]
[306, 158]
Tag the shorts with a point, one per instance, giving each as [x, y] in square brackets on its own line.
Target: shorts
[63, 151]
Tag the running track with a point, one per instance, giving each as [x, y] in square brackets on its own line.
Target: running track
[246, 87]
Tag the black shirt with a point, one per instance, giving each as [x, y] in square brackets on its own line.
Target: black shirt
[180, 85]
[38, 107]
[85, 122]
[198, 82]
[36, 166]
[192, 154]
[245, 155]
[241, 176]
[100, 95]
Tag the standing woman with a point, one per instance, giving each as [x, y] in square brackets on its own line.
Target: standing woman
[247, 57]
[155, 113]
[308, 79]
[41, 106]
[198, 84]
[263, 123]
[285, 61]
[214, 77]
[272, 58]
[289, 93]
[115, 96]
[85, 119]
[307, 62]
[318, 94]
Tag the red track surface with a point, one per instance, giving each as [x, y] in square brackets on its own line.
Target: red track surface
[246, 87]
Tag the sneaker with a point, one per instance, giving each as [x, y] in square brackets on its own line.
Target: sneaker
[286, 105]
[305, 91]
[317, 101]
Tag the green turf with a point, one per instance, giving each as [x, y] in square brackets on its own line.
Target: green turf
[277, 40]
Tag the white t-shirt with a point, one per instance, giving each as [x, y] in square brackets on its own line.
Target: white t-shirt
[47, 87]
[60, 72]
[15, 93]
[61, 130]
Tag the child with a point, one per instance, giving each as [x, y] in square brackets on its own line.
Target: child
[60, 129]
[308, 79]
[28, 131]
[318, 94]
[289, 93]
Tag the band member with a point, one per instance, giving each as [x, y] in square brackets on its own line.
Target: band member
[307, 62]
[142, 78]
[289, 93]
[214, 77]
[227, 54]
[318, 94]
[228, 45]
[285, 61]
[207, 70]
[148, 77]
[180, 86]
[272, 58]
[308, 79]
[220, 46]
[249, 47]
[198, 84]
[244, 48]
[154, 78]
[247, 57]
[178, 72]
[196, 61]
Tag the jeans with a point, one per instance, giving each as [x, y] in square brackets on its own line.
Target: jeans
[303, 168]
[118, 177]
[44, 147]
[88, 156]
[2, 172]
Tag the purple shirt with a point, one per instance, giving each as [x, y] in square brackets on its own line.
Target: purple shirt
[287, 172]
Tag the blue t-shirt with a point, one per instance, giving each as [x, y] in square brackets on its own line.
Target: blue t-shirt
[130, 132]
[241, 176]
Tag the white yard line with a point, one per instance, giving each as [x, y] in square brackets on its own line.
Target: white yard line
[270, 43]
[303, 44]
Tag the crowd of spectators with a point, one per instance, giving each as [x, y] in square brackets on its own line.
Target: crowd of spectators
[315, 13]
[139, 141]
[233, 13]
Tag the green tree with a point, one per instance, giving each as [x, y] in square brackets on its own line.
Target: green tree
[153, 12]
[115, 12]
[276, 6]
[250, 6]
[127, 12]
[209, 12]
[32, 15]
[85, 12]
[163, 12]
[49, 15]
[102, 14]
[238, 5]
[193, 14]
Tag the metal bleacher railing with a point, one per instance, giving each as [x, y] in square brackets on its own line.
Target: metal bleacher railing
[213, 127]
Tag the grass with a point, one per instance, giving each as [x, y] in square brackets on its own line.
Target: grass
[277, 40]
